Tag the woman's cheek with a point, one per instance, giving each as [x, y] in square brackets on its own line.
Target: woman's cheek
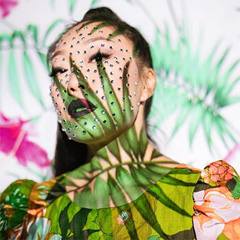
[58, 102]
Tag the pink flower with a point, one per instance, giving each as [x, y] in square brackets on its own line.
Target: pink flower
[14, 141]
[5, 6]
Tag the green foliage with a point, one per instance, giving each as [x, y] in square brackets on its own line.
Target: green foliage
[154, 237]
[18, 44]
[13, 68]
[236, 187]
[13, 79]
[64, 223]
[39, 229]
[196, 90]
[93, 3]
[72, 4]
[51, 28]
[30, 77]
[15, 197]
[158, 193]
[146, 211]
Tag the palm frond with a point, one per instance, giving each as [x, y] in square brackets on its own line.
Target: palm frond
[93, 3]
[17, 44]
[195, 89]
[13, 79]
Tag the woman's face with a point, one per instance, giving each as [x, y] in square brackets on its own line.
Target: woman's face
[96, 86]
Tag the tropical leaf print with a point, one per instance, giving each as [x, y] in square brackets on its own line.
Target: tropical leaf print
[52, 26]
[13, 77]
[197, 89]
[18, 44]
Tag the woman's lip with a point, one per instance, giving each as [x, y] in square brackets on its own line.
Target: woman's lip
[80, 103]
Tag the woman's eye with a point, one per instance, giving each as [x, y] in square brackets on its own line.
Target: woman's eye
[56, 71]
[98, 57]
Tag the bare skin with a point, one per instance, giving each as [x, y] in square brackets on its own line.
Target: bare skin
[99, 92]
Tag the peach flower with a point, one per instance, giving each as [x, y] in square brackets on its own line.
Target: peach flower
[216, 212]
[217, 173]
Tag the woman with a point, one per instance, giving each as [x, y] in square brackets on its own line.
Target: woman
[122, 188]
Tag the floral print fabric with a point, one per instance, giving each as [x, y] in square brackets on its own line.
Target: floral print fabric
[217, 203]
[165, 211]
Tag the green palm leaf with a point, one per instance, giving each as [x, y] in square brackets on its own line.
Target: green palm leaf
[141, 180]
[197, 114]
[17, 34]
[100, 190]
[72, 5]
[116, 192]
[145, 209]
[78, 222]
[127, 182]
[157, 192]
[64, 222]
[182, 116]
[220, 98]
[207, 126]
[34, 30]
[13, 79]
[197, 90]
[31, 77]
[43, 59]
[93, 3]
[49, 30]
[176, 182]
[27, 68]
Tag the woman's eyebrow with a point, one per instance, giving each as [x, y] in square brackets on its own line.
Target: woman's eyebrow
[96, 39]
[57, 53]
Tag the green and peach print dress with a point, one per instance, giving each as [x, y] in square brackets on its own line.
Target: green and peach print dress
[184, 204]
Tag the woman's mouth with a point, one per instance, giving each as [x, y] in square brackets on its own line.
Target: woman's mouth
[80, 107]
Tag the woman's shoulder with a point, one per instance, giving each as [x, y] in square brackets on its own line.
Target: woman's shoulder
[217, 202]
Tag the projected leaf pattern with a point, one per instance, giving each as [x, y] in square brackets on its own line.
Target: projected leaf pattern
[130, 174]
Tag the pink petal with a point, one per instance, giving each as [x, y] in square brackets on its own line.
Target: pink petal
[231, 154]
[14, 134]
[31, 152]
[5, 6]
[8, 137]
[9, 121]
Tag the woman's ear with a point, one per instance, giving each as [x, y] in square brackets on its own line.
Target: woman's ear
[149, 84]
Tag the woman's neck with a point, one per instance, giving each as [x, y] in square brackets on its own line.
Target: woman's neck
[118, 172]
[130, 147]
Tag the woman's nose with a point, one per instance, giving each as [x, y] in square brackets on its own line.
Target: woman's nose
[73, 86]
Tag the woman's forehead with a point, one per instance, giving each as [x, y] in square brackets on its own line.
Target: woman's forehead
[83, 34]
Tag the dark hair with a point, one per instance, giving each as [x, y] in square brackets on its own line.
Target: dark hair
[68, 152]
